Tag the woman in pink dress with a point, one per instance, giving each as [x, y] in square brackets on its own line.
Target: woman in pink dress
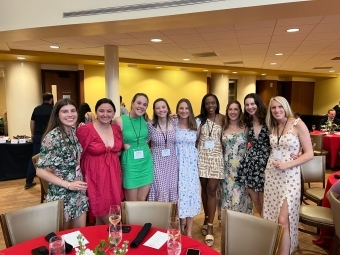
[102, 145]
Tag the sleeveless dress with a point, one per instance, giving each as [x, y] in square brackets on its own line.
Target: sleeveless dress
[189, 201]
[231, 194]
[281, 185]
[101, 167]
[165, 185]
[137, 169]
[210, 160]
[251, 171]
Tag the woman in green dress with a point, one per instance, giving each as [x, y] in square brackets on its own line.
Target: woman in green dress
[59, 164]
[136, 161]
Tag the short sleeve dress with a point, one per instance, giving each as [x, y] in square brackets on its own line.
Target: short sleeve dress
[165, 185]
[210, 160]
[251, 171]
[63, 158]
[101, 167]
[136, 161]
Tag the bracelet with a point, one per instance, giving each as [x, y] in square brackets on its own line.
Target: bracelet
[68, 185]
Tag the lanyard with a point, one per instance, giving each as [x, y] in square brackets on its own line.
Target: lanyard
[166, 133]
[279, 137]
[210, 131]
[140, 127]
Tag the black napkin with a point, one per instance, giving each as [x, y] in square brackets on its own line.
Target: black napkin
[142, 233]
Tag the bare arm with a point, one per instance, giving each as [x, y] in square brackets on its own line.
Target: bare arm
[32, 126]
[119, 122]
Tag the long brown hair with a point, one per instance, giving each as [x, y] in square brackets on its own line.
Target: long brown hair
[191, 120]
[154, 116]
[261, 111]
[240, 123]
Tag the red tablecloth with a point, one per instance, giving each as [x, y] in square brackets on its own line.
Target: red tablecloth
[331, 143]
[96, 233]
[325, 242]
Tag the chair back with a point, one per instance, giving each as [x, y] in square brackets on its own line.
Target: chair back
[335, 206]
[314, 170]
[141, 212]
[43, 183]
[31, 222]
[247, 234]
[317, 141]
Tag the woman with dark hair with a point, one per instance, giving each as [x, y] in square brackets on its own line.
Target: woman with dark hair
[231, 194]
[162, 138]
[136, 158]
[210, 160]
[189, 201]
[59, 163]
[102, 144]
[251, 171]
[84, 114]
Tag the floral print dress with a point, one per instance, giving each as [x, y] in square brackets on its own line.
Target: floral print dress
[231, 194]
[63, 158]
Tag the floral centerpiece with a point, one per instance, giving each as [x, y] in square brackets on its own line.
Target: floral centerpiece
[330, 126]
[103, 248]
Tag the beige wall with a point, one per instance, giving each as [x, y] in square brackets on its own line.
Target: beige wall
[326, 95]
[2, 97]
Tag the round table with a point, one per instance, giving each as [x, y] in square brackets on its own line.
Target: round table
[96, 233]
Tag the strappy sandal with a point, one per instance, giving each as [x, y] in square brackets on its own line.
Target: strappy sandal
[204, 228]
[209, 239]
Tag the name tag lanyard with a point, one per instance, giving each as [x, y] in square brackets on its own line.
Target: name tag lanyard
[210, 131]
[279, 137]
[164, 135]
[140, 127]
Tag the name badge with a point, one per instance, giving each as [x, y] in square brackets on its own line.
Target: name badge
[165, 152]
[209, 144]
[277, 154]
[138, 154]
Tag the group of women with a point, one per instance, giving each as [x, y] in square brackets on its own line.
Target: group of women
[236, 158]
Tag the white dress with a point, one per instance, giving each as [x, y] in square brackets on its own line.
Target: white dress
[280, 185]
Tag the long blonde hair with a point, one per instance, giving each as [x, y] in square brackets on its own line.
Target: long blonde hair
[270, 120]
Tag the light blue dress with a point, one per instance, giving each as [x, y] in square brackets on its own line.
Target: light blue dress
[189, 200]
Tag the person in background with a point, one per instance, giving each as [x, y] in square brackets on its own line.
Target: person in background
[162, 138]
[337, 110]
[59, 164]
[282, 189]
[39, 120]
[330, 118]
[210, 160]
[123, 110]
[233, 195]
[297, 115]
[102, 143]
[84, 114]
[136, 160]
[189, 201]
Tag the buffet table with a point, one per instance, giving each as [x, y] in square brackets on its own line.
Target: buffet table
[14, 159]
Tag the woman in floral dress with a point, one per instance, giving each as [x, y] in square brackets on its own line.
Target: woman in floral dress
[59, 164]
[233, 195]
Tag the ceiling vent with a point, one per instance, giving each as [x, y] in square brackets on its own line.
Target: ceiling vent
[132, 65]
[322, 67]
[336, 58]
[204, 54]
[184, 69]
[233, 63]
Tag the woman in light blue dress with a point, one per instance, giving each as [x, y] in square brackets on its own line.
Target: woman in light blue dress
[189, 201]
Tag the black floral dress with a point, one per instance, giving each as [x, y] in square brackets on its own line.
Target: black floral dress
[63, 159]
[251, 171]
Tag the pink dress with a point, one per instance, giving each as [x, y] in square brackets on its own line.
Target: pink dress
[101, 167]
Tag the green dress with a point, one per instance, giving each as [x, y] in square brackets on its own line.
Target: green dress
[63, 157]
[136, 161]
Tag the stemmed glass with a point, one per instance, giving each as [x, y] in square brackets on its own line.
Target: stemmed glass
[313, 127]
[115, 234]
[114, 214]
[174, 236]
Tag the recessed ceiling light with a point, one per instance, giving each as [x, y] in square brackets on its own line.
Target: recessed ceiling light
[331, 71]
[54, 47]
[156, 40]
[273, 63]
[278, 54]
[205, 70]
[21, 58]
[292, 30]
[234, 72]
[186, 59]
[101, 63]
[263, 74]
[159, 67]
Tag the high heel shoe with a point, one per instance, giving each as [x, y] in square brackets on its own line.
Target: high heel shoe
[204, 228]
[209, 239]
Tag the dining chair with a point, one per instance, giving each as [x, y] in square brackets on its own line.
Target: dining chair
[141, 212]
[31, 222]
[335, 207]
[318, 142]
[247, 234]
[43, 183]
[313, 172]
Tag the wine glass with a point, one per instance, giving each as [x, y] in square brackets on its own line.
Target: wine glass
[56, 246]
[174, 236]
[114, 214]
[313, 127]
[115, 233]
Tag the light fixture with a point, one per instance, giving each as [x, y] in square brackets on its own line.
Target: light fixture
[186, 59]
[234, 72]
[156, 40]
[158, 67]
[54, 47]
[331, 71]
[292, 30]
[273, 63]
[263, 74]
[21, 58]
[101, 63]
[278, 54]
[205, 70]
